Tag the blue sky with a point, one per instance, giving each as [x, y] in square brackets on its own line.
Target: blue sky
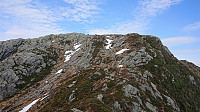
[175, 22]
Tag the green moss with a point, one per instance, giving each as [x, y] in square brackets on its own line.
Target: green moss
[110, 84]
[96, 77]
[60, 99]
[100, 107]
[85, 85]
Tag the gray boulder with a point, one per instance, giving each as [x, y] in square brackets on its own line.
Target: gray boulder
[116, 107]
[130, 90]
[150, 107]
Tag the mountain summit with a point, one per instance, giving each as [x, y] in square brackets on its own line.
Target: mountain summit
[95, 73]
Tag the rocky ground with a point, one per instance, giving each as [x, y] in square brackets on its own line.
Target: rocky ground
[95, 73]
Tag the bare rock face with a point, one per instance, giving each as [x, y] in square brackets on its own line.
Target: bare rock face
[9, 47]
[95, 73]
[129, 90]
[21, 59]
[8, 83]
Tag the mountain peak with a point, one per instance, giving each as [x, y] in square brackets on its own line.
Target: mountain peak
[77, 72]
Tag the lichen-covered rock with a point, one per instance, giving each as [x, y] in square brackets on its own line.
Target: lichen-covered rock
[100, 97]
[192, 79]
[116, 107]
[150, 107]
[130, 90]
[135, 59]
[172, 103]
[136, 108]
[147, 73]
[105, 87]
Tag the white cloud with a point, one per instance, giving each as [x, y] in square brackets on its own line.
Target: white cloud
[148, 8]
[30, 18]
[193, 59]
[82, 10]
[186, 51]
[176, 41]
[192, 55]
[178, 46]
[122, 28]
[142, 17]
[191, 27]
[27, 18]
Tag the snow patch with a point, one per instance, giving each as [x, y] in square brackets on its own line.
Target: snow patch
[44, 97]
[120, 66]
[109, 44]
[69, 54]
[121, 51]
[67, 58]
[77, 46]
[46, 93]
[29, 106]
[59, 71]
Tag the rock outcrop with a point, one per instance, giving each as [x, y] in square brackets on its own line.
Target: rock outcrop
[9, 47]
[22, 62]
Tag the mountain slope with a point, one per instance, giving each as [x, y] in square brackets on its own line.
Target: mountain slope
[77, 72]
[192, 67]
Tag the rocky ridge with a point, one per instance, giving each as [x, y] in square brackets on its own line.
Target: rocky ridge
[77, 72]
[191, 66]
